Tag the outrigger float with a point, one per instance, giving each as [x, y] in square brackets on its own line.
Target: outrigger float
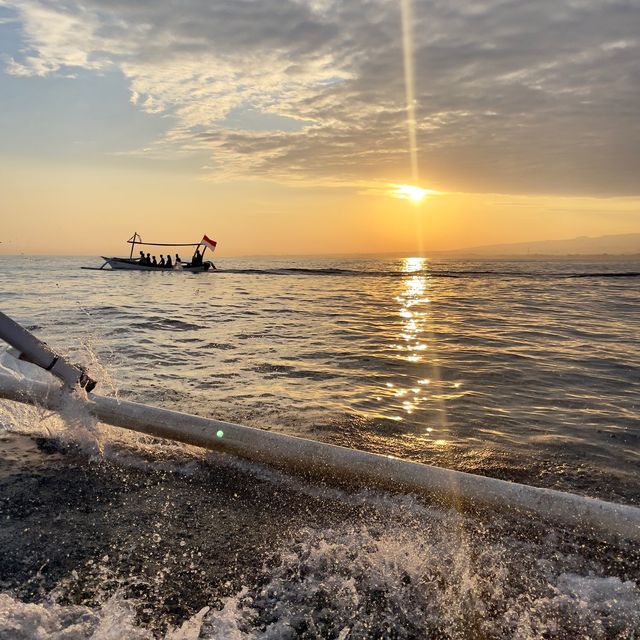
[136, 264]
[589, 517]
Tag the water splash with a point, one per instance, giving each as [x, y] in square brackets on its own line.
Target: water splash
[376, 580]
[114, 619]
[354, 583]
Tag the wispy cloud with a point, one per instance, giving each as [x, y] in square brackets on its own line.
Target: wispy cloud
[510, 95]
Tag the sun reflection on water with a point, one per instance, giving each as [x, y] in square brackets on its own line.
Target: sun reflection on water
[414, 396]
[411, 265]
[413, 296]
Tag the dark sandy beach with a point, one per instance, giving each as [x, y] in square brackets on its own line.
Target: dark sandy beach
[175, 536]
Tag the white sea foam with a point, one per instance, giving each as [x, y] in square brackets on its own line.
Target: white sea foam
[113, 620]
[356, 584]
[370, 583]
[24, 621]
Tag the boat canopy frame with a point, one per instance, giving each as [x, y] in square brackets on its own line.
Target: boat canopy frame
[136, 238]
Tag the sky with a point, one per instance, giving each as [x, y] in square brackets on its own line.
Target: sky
[288, 126]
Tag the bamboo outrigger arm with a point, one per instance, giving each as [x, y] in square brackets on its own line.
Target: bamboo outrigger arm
[37, 352]
[594, 518]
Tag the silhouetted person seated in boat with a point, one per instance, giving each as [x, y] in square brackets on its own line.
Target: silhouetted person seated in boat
[161, 263]
[148, 260]
[196, 261]
[168, 264]
[142, 260]
[154, 262]
[178, 261]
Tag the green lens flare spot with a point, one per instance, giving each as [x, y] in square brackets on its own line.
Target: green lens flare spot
[220, 433]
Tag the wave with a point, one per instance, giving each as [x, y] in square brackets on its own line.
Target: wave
[431, 273]
[622, 274]
[164, 324]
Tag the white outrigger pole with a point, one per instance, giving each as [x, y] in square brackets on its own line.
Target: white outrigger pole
[30, 349]
[595, 518]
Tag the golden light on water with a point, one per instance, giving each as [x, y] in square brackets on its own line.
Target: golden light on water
[411, 265]
[418, 402]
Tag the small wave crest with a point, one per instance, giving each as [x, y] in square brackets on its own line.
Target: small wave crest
[431, 272]
[164, 324]
[605, 274]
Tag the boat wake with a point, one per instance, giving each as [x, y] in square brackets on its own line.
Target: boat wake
[431, 272]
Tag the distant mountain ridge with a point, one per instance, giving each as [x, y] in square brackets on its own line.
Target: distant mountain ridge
[620, 244]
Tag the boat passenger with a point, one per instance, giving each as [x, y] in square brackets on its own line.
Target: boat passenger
[178, 261]
[142, 260]
[161, 263]
[148, 260]
[154, 262]
[196, 261]
[168, 264]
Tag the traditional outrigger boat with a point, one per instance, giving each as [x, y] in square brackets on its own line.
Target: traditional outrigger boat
[196, 264]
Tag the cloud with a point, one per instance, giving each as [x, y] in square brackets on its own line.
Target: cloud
[511, 96]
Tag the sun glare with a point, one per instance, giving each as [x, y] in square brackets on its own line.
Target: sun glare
[409, 192]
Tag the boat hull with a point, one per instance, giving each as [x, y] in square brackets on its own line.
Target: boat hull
[125, 264]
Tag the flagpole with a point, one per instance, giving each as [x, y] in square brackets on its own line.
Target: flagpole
[206, 242]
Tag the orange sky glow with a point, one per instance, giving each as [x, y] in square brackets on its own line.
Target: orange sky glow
[320, 127]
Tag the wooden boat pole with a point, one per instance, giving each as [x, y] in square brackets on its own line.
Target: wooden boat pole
[595, 518]
[132, 241]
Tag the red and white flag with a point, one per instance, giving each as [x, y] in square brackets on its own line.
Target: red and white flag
[206, 240]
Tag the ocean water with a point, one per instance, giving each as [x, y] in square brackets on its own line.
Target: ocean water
[525, 371]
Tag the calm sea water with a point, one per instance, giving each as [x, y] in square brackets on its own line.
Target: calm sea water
[527, 371]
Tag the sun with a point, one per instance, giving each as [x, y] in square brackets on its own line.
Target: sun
[409, 192]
